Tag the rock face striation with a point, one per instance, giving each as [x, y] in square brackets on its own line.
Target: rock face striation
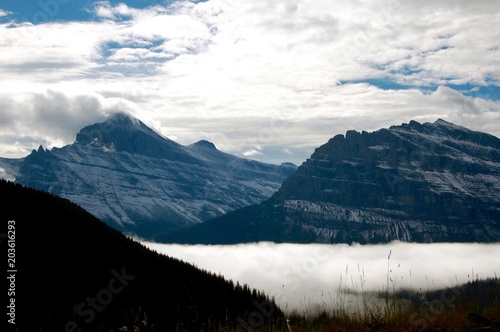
[141, 183]
[430, 182]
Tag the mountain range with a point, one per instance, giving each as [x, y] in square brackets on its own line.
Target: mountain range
[142, 183]
[430, 182]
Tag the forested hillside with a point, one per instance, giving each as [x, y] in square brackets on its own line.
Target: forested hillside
[76, 273]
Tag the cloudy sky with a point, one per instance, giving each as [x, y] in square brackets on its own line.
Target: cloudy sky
[269, 80]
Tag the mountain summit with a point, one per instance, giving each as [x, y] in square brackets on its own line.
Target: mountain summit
[414, 182]
[139, 182]
[124, 133]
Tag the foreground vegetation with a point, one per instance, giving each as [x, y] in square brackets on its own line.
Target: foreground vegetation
[473, 306]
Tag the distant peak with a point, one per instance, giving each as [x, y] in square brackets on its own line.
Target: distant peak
[288, 164]
[205, 144]
[40, 149]
[122, 132]
[117, 124]
[350, 134]
[123, 118]
[442, 122]
[438, 124]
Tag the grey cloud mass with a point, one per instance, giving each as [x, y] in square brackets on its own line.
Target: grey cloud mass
[49, 119]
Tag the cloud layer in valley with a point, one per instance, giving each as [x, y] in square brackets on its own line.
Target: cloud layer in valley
[308, 277]
[266, 80]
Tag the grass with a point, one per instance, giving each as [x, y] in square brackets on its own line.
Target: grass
[473, 306]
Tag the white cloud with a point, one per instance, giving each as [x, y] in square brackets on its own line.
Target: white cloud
[260, 72]
[303, 277]
[105, 10]
[4, 13]
[252, 153]
[6, 175]
[135, 54]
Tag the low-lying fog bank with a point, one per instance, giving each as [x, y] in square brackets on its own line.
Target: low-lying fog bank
[305, 277]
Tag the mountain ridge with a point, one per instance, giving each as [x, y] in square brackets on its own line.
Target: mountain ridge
[414, 182]
[140, 182]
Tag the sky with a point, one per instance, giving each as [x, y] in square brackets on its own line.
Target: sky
[305, 277]
[266, 80]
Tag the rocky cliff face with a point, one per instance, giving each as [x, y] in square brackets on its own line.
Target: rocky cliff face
[424, 182]
[140, 182]
[415, 182]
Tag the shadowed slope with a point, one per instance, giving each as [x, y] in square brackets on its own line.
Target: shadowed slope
[74, 269]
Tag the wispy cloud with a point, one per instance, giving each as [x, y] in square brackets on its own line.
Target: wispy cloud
[4, 13]
[104, 9]
[251, 153]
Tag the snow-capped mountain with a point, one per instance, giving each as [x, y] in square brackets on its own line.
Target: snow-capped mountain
[139, 182]
[415, 182]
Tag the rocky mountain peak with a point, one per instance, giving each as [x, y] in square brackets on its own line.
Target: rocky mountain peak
[112, 128]
[442, 123]
[124, 133]
[205, 144]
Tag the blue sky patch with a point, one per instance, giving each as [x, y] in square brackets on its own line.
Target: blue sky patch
[490, 91]
[43, 11]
